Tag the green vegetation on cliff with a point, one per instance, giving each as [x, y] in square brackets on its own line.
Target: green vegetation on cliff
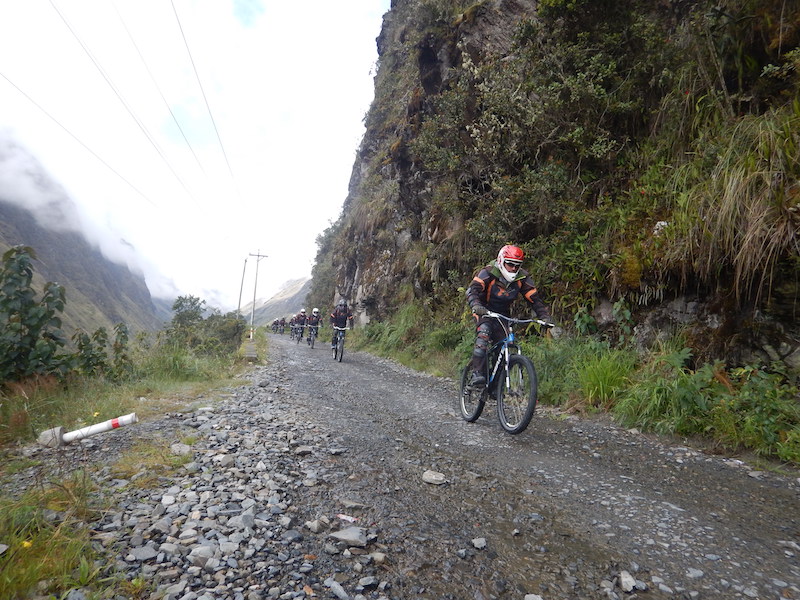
[646, 157]
[638, 151]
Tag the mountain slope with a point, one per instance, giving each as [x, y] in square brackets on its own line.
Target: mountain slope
[36, 212]
[286, 302]
[98, 292]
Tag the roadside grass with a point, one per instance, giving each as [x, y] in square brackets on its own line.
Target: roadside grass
[44, 538]
[748, 409]
[47, 544]
[408, 340]
[40, 404]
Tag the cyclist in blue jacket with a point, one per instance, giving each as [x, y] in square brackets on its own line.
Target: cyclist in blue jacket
[494, 288]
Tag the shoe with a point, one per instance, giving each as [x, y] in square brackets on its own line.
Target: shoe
[477, 380]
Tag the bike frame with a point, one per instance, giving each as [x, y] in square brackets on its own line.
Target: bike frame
[505, 347]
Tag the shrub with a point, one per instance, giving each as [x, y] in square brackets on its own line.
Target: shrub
[30, 329]
[605, 376]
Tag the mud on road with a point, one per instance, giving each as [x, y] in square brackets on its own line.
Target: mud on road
[571, 508]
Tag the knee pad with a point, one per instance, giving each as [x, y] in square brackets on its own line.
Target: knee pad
[482, 341]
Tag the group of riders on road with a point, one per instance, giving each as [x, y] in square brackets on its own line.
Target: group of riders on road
[493, 289]
[341, 316]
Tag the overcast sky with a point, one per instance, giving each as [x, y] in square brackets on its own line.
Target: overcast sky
[197, 131]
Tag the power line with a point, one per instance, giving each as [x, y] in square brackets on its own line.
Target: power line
[155, 83]
[205, 99]
[92, 152]
[121, 99]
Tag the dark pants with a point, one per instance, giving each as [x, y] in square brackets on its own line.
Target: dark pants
[490, 331]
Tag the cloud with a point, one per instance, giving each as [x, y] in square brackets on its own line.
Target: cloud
[229, 130]
[23, 182]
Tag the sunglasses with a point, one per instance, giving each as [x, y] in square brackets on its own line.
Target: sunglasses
[511, 266]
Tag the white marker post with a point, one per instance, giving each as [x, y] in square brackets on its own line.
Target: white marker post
[56, 437]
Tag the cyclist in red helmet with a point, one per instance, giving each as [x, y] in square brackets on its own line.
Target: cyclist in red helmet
[495, 288]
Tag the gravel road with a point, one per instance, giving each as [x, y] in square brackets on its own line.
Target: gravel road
[358, 480]
[570, 508]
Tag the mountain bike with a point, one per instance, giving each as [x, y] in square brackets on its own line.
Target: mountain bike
[338, 346]
[299, 333]
[510, 378]
[312, 334]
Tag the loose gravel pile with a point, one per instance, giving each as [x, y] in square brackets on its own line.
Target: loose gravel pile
[250, 516]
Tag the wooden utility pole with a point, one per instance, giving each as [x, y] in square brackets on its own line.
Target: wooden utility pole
[258, 256]
[241, 287]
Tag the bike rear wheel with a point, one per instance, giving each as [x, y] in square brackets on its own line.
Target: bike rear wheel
[517, 395]
[471, 401]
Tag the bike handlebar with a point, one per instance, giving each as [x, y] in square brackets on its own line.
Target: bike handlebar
[340, 328]
[512, 320]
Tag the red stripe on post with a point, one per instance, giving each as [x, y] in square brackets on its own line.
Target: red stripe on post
[114, 423]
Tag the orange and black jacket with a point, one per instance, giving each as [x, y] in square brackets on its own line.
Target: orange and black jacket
[488, 288]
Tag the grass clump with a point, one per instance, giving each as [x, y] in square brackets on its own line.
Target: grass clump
[149, 460]
[605, 376]
[743, 408]
[46, 540]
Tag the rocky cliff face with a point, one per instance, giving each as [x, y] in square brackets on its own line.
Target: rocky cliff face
[392, 243]
[604, 137]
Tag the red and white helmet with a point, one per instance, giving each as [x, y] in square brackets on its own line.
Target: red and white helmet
[509, 255]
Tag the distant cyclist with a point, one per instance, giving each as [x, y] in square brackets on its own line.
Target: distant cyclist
[300, 322]
[494, 288]
[313, 323]
[341, 316]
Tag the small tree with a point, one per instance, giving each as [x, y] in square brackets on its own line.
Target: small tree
[187, 320]
[30, 329]
[91, 358]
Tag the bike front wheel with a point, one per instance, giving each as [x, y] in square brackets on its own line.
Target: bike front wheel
[313, 339]
[517, 394]
[471, 401]
[340, 349]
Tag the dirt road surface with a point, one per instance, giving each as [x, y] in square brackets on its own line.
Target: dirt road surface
[571, 508]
